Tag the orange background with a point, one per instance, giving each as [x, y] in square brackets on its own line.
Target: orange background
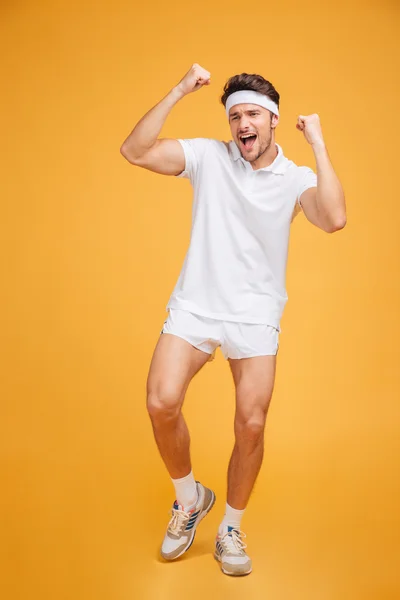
[91, 251]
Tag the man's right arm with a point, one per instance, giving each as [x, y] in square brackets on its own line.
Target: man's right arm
[144, 148]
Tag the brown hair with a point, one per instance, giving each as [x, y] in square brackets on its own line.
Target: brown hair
[257, 83]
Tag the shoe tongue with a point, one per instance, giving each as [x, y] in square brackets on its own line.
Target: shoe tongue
[181, 507]
[231, 529]
[227, 529]
[187, 509]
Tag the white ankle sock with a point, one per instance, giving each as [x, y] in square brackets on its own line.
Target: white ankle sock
[232, 518]
[186, 491]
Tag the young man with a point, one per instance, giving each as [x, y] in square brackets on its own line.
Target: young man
[231, 291]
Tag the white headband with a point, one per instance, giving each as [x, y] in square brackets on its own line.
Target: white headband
[250, 97]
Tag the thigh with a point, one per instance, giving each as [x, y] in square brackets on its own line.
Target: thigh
[174, 363]
[254, 380]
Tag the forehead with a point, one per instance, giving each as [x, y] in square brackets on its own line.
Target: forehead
[243, 108]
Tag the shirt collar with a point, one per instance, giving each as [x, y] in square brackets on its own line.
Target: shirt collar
[278, 166]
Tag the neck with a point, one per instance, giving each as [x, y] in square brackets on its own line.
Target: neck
[267, 157]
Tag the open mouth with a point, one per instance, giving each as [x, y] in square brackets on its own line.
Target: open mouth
[248, 140]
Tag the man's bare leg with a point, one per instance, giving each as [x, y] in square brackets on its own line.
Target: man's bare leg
[175, 362]
[254, 381]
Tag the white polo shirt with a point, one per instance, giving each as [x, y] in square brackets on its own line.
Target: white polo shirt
[235, 267]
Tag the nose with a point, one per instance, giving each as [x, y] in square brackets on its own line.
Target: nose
[244, 124]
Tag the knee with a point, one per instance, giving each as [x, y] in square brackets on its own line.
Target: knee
[163, 404]
[250, 430]
[250, 423]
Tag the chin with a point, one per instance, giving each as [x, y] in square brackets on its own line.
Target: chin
[251, 156]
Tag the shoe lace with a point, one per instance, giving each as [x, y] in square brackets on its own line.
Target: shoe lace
[233, 541]
[177, 521]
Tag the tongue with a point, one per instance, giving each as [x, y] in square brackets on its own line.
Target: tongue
[249, 142]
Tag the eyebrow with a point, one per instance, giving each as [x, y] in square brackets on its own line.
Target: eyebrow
[246, 111]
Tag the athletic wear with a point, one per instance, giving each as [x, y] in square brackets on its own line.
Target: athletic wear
[237, 340]
[235, 267]
[186, 491]
[182, 526]
[232, 518]
[229, 551]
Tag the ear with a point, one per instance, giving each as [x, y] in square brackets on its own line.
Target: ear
[274, 120]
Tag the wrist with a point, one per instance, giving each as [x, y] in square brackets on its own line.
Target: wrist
[177, 93]
[318, 146]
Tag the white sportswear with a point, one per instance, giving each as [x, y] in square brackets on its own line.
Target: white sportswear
[235, 267]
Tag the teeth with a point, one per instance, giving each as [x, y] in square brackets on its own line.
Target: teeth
[247, 135]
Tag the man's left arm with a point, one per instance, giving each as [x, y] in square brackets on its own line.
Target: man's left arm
[324, 205]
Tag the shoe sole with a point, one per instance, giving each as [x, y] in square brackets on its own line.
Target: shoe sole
[193, 533]
[218, 558]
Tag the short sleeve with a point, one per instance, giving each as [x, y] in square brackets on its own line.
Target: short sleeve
[306, 179]
[194, 150]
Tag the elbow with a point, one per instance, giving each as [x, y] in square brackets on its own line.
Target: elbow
[336, 225]
[124, 151]
[127, 154]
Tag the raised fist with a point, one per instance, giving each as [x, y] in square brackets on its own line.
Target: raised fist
[194, 79]
[311, 127]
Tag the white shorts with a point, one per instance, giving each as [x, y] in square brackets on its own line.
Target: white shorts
[237, 340]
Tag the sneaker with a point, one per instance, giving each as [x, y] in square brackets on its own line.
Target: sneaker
[229, 551]
[182, 526]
